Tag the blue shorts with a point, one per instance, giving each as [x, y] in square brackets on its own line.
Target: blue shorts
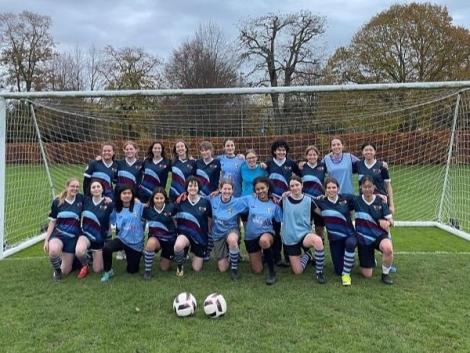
[69, 243]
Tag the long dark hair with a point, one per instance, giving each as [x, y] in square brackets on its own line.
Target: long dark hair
[118, 203]
[158, 190]
[150, 150]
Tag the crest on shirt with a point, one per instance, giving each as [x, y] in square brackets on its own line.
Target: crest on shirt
[377, 207]
[376, 170]
[321, 168]
[289, 168]
[343, 202]
[202, 208]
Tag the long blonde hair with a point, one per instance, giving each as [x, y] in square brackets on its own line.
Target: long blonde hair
[63, 194]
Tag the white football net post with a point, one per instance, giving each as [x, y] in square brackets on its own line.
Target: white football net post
[422, 130]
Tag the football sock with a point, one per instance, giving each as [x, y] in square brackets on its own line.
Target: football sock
[148, 260]
[304, 259]
[234, 258]
[56, 261]
[179, 257]
[386, 269]
[268, 258]
[319, 260]
[348, 262]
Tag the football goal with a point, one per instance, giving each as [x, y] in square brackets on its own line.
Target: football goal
[422, 130]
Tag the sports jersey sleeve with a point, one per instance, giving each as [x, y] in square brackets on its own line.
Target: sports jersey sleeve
[54, 210]
[112, 218]
[385, 174]
[295, 168]
[386, 211]
[278, 214]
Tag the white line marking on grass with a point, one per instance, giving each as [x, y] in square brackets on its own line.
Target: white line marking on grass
[432, 253]
[30, 258]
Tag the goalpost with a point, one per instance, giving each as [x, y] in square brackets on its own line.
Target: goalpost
[421, 129]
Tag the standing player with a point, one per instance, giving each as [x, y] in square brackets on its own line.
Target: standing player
[313, 176]
[104, 170]
[280, 169]
[378, 170]
[159, 215]
[207, 169]
[182, 168]
[230, 165]
[64, 228]
[296, 231]
[154, 171]
[249, 171]
[95, 229]
[341, 166]
[336, 212]
[259, 230]
[373, 222]
[193, 222]
[127, 219]
[129, 169]
[225, 228]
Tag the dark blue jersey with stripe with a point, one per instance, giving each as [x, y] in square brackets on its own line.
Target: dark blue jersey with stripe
[208, 175]
[280, 175]
[106, 174]
[161, 224]
[153, 175]
[96, 219]
[367, 219]
[180, 171]
[67, 216]
[377, 171]
[313, 179]
[193, 220]
[337, 216]
[129, 174]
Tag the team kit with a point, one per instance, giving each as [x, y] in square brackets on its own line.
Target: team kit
[282, 211]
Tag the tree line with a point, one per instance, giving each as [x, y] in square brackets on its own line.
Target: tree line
[409, 42]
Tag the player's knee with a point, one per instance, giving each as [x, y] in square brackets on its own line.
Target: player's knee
[366, 272]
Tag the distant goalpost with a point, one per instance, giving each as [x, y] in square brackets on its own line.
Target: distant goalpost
[421, 129]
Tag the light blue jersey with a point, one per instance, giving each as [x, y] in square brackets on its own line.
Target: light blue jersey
[296, 219]
[261, 216]
[129, 226]
[230, 169]
[342, 170]
[225, 215]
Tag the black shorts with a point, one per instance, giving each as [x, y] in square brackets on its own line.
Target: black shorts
[253, 246]
[96, 245]
[296, 249]
[68, 243]
[167, 249]
[197, 249]
[367, 252]
[318, 220]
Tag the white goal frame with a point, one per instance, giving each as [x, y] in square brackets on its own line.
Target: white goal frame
[4, 96]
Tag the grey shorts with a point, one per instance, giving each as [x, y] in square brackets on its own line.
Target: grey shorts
[220, 250]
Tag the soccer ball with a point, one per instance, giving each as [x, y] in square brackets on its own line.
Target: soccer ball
[184, 304]
[215, 305]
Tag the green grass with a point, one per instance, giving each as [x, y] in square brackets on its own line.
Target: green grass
[425, 311]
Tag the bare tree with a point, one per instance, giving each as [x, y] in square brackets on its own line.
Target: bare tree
[27, 47]
[204, 61]
[281, 48]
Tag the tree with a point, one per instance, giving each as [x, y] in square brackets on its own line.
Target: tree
[204, 61]
[27, 47]
[281, 48]
[412, 42]
[130, 68]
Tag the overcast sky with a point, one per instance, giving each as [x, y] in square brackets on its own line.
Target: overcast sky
[160, 26]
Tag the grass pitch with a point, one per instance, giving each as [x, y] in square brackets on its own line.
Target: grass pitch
[426, 310]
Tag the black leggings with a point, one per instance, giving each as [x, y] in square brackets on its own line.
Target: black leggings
[132, 256]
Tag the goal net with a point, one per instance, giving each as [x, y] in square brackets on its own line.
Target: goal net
[423, 134]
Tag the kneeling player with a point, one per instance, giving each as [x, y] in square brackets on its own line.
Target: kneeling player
[192, 218]
[296, 231]
[373, 222]
[259, 231]
[159, 215]
[225, 229]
